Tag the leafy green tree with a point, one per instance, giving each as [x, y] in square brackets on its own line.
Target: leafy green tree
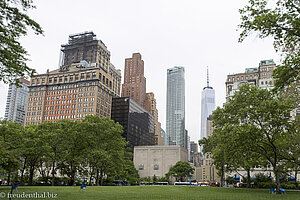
[282, 23]
[53, 135]
[106, 146]
[14, 23]
[73, 149]
[265, 123]
[228, 149]
[181, 171]
[10, 146]
[32, 151]
[216, 145]
[127, 171]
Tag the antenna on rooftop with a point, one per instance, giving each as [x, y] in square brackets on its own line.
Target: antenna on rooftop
[207, 78]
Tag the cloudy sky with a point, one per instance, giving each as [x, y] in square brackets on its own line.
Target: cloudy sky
[191, 33]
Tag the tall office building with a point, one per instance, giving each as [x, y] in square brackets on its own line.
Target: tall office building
[79, 87]
[138, 123]
[150, 105]
[175, 122]
[16, 103]
[134, 85]
[207, 106]
[258, 76]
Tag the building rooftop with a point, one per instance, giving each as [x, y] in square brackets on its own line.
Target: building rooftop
[267, 62]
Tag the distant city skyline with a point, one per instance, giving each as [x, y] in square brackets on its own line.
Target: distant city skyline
[189, 33]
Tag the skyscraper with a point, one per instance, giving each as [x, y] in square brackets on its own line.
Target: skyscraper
[134, 85]
[150, 105]
[16, 103]
[175, 122]
[84, 84]
[207, 106]
[138, 123]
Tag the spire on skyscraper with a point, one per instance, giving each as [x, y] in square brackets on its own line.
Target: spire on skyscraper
[207, 78]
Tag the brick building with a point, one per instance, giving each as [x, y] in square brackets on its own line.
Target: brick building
[79, 87]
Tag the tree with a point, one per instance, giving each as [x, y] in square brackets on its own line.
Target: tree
[282, 23]
[127, 171]
[10, 150]
[32, 151]
[229, 153]
[181, 171]
[216, 145]
[72, 149]
[106, 146]
[264, 124]
[14, 23]
[53, 135]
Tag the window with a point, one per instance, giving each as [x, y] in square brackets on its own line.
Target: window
[155, 167]
[141, 166]
[60, 79]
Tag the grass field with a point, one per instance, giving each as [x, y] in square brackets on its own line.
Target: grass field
[149, 192]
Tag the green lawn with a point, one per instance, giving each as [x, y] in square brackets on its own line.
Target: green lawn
[151, 192]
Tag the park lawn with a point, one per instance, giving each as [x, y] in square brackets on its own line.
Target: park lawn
[151, 192]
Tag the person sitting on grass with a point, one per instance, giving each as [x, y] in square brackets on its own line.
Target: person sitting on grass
[83, 187]
[16, 185]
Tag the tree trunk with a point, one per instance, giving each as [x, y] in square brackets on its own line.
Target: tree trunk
[101, 177]
[31, 171]
[277, 181]
[8, 178]
[222, 176]
[22, 172]
[53, 172]
[248, 178]
[97, 177]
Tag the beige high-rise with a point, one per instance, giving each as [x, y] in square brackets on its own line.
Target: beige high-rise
[150, 105]
[79, 87]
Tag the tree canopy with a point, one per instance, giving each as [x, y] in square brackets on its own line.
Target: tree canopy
[92, 149]
[181, 171]
[282, 23]
[14, 23]
[255, 129]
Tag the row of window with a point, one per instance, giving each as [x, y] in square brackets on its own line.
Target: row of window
[242, 78]
[61, 97]
[266, 68]
[60, 102]
[72, 78]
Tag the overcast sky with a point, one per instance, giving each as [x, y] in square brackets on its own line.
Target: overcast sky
[191, 33]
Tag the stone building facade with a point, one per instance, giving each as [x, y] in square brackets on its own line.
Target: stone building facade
[157, 160]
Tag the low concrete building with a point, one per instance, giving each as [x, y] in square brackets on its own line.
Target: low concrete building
[157, 160]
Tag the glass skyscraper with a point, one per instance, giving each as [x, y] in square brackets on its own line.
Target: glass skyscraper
[207, 106]
[16, 104]
[175, 123]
